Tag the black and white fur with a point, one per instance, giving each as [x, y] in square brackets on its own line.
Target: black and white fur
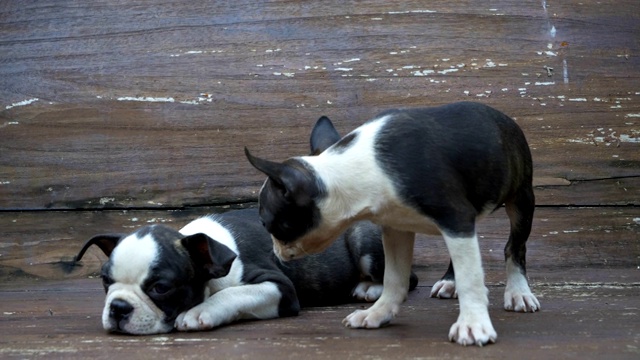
[221, 268]
[430, 170]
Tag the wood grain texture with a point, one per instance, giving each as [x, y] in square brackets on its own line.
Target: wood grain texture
[150, 105]
[564, 242]
[116, 114]
[62, 320]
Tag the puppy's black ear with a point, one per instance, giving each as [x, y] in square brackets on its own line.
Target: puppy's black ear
[272, 169]
[106, 243]
[209, 255]
[323, 135]
[297, 182]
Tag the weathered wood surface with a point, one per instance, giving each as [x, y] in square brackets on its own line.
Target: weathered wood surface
[150, 105]
[62, 320]
[117, 114]
[564, 242]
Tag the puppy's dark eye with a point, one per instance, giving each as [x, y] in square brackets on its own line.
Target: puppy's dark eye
[161, 289]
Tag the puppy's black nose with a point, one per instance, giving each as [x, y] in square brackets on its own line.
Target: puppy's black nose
[120, 309]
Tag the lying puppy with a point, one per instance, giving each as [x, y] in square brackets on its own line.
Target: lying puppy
[222, 268]
[429, 170]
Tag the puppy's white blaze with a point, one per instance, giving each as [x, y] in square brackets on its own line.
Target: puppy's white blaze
[132, 259]
[215, 230]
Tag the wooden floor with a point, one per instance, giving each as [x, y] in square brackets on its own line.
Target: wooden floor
[118, 114]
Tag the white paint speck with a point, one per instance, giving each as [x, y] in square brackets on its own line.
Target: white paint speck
[545, 83]
[632, 115]
[106, 200]
[423, 72]
[343, 69]
[578, 99]
[147, 99]
[636, 220]
[411, 12]
[22, 103]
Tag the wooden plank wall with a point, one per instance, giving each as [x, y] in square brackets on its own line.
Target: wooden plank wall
[109, 108]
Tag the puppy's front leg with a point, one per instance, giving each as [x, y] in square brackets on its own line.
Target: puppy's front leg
[252, 301]
[473, 325]
[398, 255]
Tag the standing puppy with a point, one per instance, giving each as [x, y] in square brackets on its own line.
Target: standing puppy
[429, 170]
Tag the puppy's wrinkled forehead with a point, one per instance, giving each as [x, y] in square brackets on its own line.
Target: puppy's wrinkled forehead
[137, 253]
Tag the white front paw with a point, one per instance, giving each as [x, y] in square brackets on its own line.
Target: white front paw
[368, 291]
[444, 289]
[371, 318]
[473, 330]
[520, 301]
[197, 318]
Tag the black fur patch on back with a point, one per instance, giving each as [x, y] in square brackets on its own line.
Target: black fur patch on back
[450, 162]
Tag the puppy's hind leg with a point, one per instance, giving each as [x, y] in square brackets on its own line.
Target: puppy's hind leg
[398, 252]
[518, 295]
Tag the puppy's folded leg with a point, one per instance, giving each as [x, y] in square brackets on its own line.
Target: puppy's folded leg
[473, 325]
[368, 291]
[253, 301]
[398, 252]
[445, 288]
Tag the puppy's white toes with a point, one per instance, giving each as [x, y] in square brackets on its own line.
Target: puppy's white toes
[520, 302]
[475, 332]
[372, 318]
[195, 319]
[444, 289]
[368, 291]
